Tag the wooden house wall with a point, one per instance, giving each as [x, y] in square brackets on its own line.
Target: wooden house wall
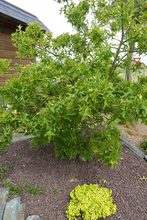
[7, 50]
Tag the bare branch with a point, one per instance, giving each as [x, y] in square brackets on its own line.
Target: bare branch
[113, 67]
[122, 58]
[113, 38]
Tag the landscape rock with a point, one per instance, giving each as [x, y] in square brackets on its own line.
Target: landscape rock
[22, 212]
[3, 197]
[34, 217]
[145, 157]
[11, 209]
[20, 137]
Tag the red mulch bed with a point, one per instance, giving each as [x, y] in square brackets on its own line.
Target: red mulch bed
[42, 168]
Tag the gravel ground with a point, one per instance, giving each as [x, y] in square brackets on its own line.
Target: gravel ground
[58, 178]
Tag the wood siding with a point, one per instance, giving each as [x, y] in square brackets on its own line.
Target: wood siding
[7, 50]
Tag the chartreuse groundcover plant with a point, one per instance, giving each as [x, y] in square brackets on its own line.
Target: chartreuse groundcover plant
[91, 202]
[73, 96]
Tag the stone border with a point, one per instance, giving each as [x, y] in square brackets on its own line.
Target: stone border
[13, 209]
[133, 148]
[20, 137]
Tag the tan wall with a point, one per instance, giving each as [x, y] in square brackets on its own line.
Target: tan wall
[7, 50]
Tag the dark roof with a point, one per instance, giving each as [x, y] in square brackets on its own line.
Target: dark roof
[18, 14]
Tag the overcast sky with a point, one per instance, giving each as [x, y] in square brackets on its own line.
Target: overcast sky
[48, 12]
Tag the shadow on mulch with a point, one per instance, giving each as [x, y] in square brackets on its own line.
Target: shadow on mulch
[58, 178]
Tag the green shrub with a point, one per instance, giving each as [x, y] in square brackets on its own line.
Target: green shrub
[90, 202]
[143, 144]
[72, 97]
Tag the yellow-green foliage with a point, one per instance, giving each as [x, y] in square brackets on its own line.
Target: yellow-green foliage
[4, 66]
[91, 202]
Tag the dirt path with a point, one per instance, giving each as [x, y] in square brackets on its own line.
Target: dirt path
[134, 134]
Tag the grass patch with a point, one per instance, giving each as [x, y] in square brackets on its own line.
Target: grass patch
[33, 190]
[130, 132]
[13, 188]
[4, 168]
[21, 190]
[143, 145]
[56, 191]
